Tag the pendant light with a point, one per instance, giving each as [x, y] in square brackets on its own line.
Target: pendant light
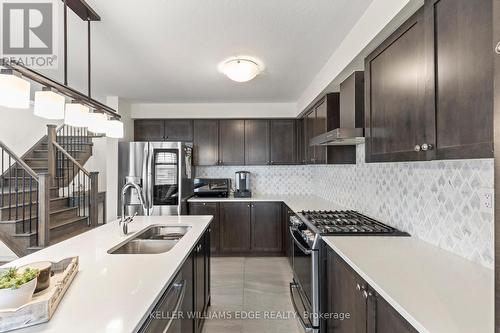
[97, 123]
[114, 129]
[14, 91]
[76, 115]
[49, 105]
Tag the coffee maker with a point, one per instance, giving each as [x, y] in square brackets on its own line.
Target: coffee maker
[242, 184]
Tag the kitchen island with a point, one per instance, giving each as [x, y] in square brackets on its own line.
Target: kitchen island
[114, 293]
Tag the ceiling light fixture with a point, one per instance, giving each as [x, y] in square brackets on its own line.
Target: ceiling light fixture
[49, 105]
[240, 69]
[114, 129]
[97, 123]
[14, 91]
[76, 115]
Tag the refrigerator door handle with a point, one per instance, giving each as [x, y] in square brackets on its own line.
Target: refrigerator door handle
[150, 179]
[145, 177]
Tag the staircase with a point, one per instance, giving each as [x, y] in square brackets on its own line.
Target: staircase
[46, 195]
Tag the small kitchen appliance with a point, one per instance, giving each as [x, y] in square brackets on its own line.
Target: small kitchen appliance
[212, 187]
[242, 184]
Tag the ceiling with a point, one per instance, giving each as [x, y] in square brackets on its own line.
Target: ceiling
[168, 50]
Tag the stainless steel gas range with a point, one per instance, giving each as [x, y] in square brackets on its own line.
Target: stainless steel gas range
[306, 229]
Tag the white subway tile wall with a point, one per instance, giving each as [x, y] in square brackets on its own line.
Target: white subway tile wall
[437, 201]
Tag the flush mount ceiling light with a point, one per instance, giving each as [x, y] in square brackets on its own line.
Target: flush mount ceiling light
[97, 123]
[240, 69]
[114, 129]
[14, 91]
[76, 115]
[49, 105]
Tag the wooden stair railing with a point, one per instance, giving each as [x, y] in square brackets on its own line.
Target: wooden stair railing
[24, 196]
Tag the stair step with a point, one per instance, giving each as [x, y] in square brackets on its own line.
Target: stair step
[61, 215]
[68, 229]
[34, 162]
[22, 210]
[22, 195]
[59, 203]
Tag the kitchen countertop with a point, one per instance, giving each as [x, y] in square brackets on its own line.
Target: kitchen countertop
[294, 202]
[112, 293]
[433, 289]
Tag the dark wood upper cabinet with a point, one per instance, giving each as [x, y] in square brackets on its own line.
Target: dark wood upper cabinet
[209, 208]
[232, 142]
[206, 142]
[266, 228]
[320, 127]
[301, 140]
[310, 121]
[234, 227]
[149, 130]
[460, 86]
[178, 130]
[283, 144]
[257, 142]
[395, 75]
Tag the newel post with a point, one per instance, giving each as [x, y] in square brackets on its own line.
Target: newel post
[52, 166]
[94, 192]
[43, 209]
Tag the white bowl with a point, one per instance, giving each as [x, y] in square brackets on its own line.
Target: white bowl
[14, 298]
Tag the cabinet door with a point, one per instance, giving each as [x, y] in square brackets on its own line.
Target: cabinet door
[310, 120]
[234, 227]
[345, 297]
[187, 323]
[320, 128]
[179, 130]
[301, 141]
[232, 142]
[395, 113]
[148, 130]
[199, 285]
[388, 320]
[463, 65]
[266, 228]
[209, 208]
[206, 142]
[256, 142]
[283, 141]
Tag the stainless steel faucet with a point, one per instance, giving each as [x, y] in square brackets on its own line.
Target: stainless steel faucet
[124, 221]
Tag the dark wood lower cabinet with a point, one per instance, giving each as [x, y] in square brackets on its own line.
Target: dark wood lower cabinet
[359, 309]
[234, 227]
[209, 208]
[266, 228]
[201, 283]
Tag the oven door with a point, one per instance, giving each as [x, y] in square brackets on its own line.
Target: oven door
[302, 263]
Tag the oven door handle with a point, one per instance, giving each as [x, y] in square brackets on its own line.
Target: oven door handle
[299, 245]
[305, 327]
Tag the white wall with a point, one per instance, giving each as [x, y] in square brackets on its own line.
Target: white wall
[213, 110]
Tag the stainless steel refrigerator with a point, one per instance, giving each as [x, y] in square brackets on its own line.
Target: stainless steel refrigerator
[163, 170]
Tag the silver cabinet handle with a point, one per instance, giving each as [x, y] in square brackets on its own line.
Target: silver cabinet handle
[417, 148]
[204, 204]
[426, 147]
[365, 294]
[299, 245]
[497, 48]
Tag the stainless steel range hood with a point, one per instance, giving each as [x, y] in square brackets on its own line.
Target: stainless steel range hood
[350, 120]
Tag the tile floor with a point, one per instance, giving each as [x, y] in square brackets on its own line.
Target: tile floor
[257, 287]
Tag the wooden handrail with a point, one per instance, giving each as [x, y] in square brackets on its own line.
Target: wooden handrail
[19, 161]
[75, 162]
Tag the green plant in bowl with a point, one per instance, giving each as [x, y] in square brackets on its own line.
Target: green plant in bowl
[12, 279]
[17, 287]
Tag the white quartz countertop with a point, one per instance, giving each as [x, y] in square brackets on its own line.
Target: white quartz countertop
[434, 290]
[294, 202]
[112, 293]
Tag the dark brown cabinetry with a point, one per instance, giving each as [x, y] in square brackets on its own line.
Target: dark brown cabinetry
[320, 127]
[348, 294]
[266, 228]
[178, 130]
[209, 208]
[232, 142]
[149, 130]
[429, 86]
[459, 35]
[206, 142]
[310, 130]
[396, 119]
[201, 272]
[283, 142]
[234, 227]
[251, 228]
[257, 142]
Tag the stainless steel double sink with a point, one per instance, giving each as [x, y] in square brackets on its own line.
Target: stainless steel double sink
[152, 240]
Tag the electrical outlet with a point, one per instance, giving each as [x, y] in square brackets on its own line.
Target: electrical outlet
[487, 199]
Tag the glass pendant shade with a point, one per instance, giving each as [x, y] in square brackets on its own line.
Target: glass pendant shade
[114, 129]
[76, 115]
[14, 91]
[49, 105]
[97, 123]
[241, 70]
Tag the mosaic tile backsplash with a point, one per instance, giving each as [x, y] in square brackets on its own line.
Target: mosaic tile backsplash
[437, 201]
